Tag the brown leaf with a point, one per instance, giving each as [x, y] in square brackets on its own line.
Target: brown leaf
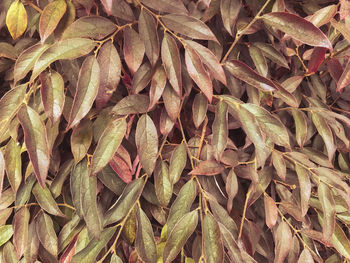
[283, 238]
[229, 13]
[271, 211]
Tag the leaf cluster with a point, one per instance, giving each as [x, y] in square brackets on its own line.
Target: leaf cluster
[174, 131]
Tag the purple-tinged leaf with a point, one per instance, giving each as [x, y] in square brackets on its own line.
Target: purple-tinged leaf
[50, 17]
[283, 239]
[179, 235]
[198, 73]
[95, 27]
[165, 123]
[286, 96]
[272, 53]
[229, 13]
[220, 130]
[20, 230]
[344, 9]
[81, 139]
[65, 49]
[86, 92]
[144, 242]
[172, 102]
[305, 257]
[87, 4]
[148, 33]
[317, 56]
[168, 6]
[157, 86]
[13, 164]
[328, 206]
[122, 9]
[335, 69]
[305, 188]
[108, 5]
[344, 79]
[45, 199]
[142, 77]
[199, 109]
[243, 72]
[35, 139]
[213, 246]
[52, 94]
[108, 144]
[110, 68]
[121, 168]
[172, 63]
[300, 121]
[146, 139]
[208, 167]
[162, 184]
[298, 28]
[46, 233]
[9, 253]
[134, 49]
[258, 60]
[132, 104]
[231, 188]
[210, 61]
[279, 164]
[177, 163]
[342, 28]
[188, 26]
[271, 211]
[292, 83]
[323, 16]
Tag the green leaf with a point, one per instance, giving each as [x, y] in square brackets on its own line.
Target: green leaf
[31, 252]
[110, 68]
[24, 191]
[148, 33]
[220, 130]
[68, 232]
[272, 53]
[35, 139]
[168, 6]
[172, 62]
[96, 27]
[162, 183]
[65, 49]
[128, 198]
[134, 49]
[305, 188]
[52, 94]
[177, 163]
[46, 233]
[182, 204]
[142, 77]
[328, 206]
[81, 139]
[145, 244]
[188, 26]
[243, 72]
[20, 230]
[8, 51]
[198, 73]
[199, 109]
[45, 200]
[50, 17]
[6, 232]
[108, 144]
[341, 242]
[16, 19]
[259, 60]
[86, 92]
[213, 247]
[229, 13]
[300, 126]
[63, 172]
[157, 86]
[13, 164]
[179, 236]
[298, 28]
[108, 177]
[132, 104]
[146, 139]
[9, 253]
[91, 251]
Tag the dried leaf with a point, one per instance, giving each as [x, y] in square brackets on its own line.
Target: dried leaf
[305, 257]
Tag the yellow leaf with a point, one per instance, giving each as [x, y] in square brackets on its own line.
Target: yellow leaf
[16, 19]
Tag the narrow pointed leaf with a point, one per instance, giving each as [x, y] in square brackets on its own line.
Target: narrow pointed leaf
[35, 139]
[96, 27]
[179, 235]
[305, 257]
[110, 68]
[16, 19]
[6, 232]
[317, 56]
[132, 104]
[279, 164]
[86, 92]
[177, 163]
[46, 201]
[243, 72]
[145, 243]
[199, 109]
[328, 206]
[142, 77]
[272, 53]
[271, 211]
[52, 94]
[172, 102]
[134, 49]
[65, 49]
[300, 126]
[108, 144]
[344, 79]
[259, 60]
[81, 139]
[157, 86]
[20, 228]
[229, 13]
[50, 18]
[213, 247]
[305, 188]
[208, 167]
[162, 183]
[13, 164]
[198, 73]
[46, 233]
[283, 238]
[126, 201]
[188, 26]
[168, 6]
[146, 138]
[298, 28]
[2, 171]
[341, 242]
[172, 63]
[220, 130]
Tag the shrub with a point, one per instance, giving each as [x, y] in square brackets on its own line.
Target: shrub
[174, 131]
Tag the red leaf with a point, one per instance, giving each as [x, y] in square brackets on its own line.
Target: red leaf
[344, 79]
[335, 69]
[121, 168]
[317, 57]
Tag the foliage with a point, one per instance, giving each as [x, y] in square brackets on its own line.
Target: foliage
[174, 131]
